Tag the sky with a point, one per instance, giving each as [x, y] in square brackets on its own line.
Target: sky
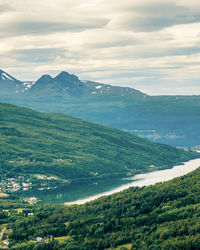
[149, 45]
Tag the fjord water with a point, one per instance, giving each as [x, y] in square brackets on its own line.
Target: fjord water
[148, 179]
[75, 191]
[80, 193]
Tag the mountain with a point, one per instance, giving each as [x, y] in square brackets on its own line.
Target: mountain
[100, 91]
[172, 120]
[68, 149]
[64, 83]
[11, 86]
[161, 216]
[66, 86]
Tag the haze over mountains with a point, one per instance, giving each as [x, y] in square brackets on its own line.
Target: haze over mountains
[168, 119]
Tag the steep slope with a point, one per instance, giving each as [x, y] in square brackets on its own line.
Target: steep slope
[161, 216]
[69, 148]
[70, 84]
[63, 84]
[9, 85]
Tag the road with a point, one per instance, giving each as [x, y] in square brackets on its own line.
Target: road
[2, 233]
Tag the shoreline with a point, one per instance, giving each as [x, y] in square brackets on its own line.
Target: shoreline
[147, 179]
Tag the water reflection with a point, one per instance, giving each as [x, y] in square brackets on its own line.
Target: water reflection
[68, 193]
[148, 179]
[81, 193]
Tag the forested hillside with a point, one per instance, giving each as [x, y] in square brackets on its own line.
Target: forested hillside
[68, 149]
[162, 216]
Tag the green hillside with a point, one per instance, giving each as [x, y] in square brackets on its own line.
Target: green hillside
[68, 149]
[162, 216]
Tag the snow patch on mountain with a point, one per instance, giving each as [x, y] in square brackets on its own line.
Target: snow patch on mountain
[28, 85]
[4, 76]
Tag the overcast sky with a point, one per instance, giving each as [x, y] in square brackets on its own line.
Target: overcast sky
[150, 45]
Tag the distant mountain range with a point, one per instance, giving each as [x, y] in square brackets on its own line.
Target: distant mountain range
[63, 85]
[168, 119]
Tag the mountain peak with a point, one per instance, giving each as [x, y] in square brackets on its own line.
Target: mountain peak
[45, 77]
[42, 82]
[65, 76]
[68, 80]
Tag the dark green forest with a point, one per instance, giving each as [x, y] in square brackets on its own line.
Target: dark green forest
[161, 216]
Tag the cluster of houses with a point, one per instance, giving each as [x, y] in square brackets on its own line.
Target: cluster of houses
[11, 185]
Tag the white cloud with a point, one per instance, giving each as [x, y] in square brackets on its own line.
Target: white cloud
[150, 45]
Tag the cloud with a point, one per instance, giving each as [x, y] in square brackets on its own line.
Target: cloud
[148, 16]
[29, 27]
[150, 45]
[42, 55]
[4, 8]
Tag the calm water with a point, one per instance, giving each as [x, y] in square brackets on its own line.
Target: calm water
[72, 192]
[81, 193]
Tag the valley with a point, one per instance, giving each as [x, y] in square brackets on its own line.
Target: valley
[43, 151]
[99, 125]
[50, 159]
